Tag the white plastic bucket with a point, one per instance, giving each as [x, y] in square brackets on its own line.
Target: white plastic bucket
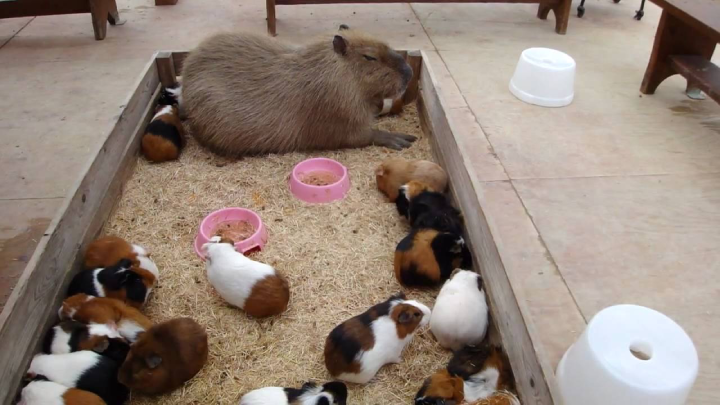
[544, 77]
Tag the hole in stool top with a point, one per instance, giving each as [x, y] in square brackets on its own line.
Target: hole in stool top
[641, 350]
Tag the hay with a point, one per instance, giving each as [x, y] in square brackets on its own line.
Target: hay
[236, 231]
[337, 258]
[320, 178]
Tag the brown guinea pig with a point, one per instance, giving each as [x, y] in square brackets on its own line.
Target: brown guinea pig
[441, 388]
[109, 250]
[165, 356]
[164, 135]
[394, 172]
[128, 321]
[427, 257]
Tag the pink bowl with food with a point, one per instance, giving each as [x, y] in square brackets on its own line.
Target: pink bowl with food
[239, 224]
[319, 180]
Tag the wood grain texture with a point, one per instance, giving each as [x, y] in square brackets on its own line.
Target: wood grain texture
[166, 68]
[703, 15]
[32, 307]
[699, 71]
[510, 315]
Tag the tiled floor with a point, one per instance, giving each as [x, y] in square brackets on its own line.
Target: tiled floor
[614, 199]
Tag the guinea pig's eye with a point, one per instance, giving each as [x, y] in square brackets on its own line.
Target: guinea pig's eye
[368, 57]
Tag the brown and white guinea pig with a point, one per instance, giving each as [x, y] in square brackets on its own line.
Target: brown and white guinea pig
[485, 370]
[128, 321]
[426, 208]
[394, 172]
[460, 314]
[441, 388]
[165, 356]
[109, 250]
[40, 391]
[85, 370]
[332, 393]
[255, 287]
[122, 281]
[357, 348]
[164, 135]
[73, 336]
[427, 257]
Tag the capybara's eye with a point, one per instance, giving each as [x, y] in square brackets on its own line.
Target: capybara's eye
[368, 57]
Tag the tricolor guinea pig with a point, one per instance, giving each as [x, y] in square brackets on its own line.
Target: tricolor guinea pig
[170, 95]
[460, 314]
[394, 172]
[441, 388]
[109, 250]
[427, 257]
[485, 370]
[164, 136]
[255, 287]
[357, 348]
[43, 392]
[332, 393]
[165, 356]
[85, 370]
[123, 281]
[73, 336]
[128, 321]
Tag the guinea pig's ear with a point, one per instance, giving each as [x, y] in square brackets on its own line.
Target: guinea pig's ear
[343, 27]
[101, 346]
[153, 361]
[340, 45]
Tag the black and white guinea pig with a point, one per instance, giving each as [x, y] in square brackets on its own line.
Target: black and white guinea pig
[164, 136]
[123, 281]
[73, 336]
[170, 95]
[407, 192]
[332, 393]
[356, 349]
[85, 370]
[427, 257]
[485, 370]
[40, 391]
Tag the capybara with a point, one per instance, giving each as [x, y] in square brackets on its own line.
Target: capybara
[247, 94]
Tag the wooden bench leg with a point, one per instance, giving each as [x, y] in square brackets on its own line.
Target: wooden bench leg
[165, 2]
[271, 20]
[673, 37]
[102, 12]
[561, 9]
[114, 15]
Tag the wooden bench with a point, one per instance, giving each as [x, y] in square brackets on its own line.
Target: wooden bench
[561, 8]
[685, 41]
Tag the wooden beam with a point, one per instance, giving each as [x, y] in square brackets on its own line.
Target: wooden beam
[510, 316]
[294, 2]
[31, 309]
[166, 68]
[28, 8]
[178, 60]
[699, 72]
[165, 2]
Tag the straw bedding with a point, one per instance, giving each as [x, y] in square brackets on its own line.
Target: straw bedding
[337, 258]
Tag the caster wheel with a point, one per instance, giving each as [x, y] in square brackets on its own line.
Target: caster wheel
[639, 15]
[581, 11]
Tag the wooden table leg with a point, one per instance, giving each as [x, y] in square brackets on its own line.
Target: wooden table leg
[165, 2]
[99, 11]
[114, 15]
[673, 37]
[271, 20]
[561, 9]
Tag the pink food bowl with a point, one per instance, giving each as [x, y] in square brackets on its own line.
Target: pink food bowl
[319, 194]
[211, 222]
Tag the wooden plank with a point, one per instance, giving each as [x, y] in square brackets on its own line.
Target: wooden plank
[293, 2]
[29, 8]
[699, 71]
[166, 69]
[703, 15]
[165, 2]
[178, 60]
[511, 316]
[32, 306]
[414, 59]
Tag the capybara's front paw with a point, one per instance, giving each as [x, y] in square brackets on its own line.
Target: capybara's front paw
[393, 140]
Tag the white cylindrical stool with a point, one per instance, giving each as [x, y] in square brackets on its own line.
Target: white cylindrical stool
[629, 355]
[544, 77]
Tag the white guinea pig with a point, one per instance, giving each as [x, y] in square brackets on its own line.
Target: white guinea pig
[460, 315]
[255, 287]
[43, 392]
[357, 348]
[332, 393]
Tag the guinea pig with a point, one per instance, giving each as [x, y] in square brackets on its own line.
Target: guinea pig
[485, 370]
[73, 336]
[394, 172]
[165, 356]
[122, 281]
[357, 348]
[128, 321]
[164, 136]
[109, 250]
[85, 370]
[324, 94]
[406, 193]
[441, 388]
[427, 257]
[425, 208]
[170, 96]
[332, 393]
[255, 287]
[460, 314]
[44, 392]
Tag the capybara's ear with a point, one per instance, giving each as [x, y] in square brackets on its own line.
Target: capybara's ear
[340, 45]
[344, 27]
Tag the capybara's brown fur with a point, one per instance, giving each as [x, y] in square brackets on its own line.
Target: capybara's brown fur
[394, 172]
[268, 297]
[165, 356]
[251, 94]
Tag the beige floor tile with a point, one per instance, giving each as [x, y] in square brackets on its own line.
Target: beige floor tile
[9, 27]
[22, 223]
